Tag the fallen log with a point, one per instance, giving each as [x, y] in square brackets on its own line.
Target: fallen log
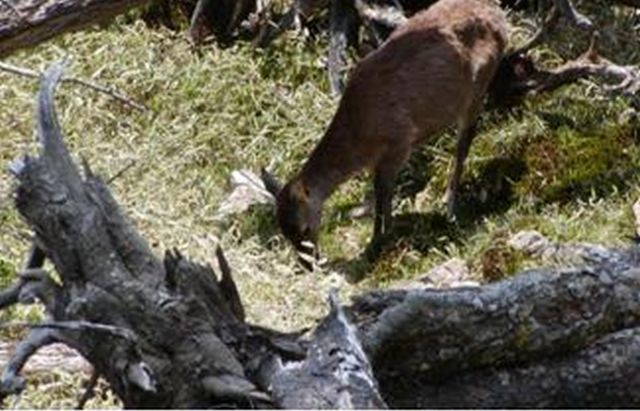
[27, 23]
[604, 375]
[172, 333]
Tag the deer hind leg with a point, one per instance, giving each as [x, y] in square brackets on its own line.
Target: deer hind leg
[466, 133]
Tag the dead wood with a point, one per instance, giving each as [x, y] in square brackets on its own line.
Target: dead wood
[218, 18]
[604, 375]
[171, 333]
[519, 76]
[342, 23]
[31, 22]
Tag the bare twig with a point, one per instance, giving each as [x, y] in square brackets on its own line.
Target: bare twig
[562, 8]
[25, 72]
[33, 284]
[592, 64]
[120, 172]
[198, 29]
[10, 295]
[88, 326]
[116, 331]
[522, 77]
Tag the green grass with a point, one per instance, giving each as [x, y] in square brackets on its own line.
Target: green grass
[566, 164]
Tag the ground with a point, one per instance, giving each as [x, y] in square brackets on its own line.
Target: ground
[566, 164]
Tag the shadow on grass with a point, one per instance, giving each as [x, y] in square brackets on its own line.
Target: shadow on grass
[490, 192]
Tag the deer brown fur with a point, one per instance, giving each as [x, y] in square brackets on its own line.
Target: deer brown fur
[431, 73]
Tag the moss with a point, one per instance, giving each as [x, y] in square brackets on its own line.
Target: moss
[523, 333]
[498, 260]
[7, 273]
[568, 165]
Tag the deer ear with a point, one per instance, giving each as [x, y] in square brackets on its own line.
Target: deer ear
[271, 183]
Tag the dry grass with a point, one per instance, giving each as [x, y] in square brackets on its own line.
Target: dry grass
[566, 165]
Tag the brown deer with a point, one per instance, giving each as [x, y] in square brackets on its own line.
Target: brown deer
[432, 72]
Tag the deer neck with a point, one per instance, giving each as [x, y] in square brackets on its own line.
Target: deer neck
[330, 163]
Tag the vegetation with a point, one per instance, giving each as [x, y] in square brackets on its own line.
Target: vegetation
[566, 164]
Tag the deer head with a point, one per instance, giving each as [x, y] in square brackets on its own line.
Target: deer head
[298, 214]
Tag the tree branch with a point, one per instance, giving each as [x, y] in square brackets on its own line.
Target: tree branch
[21, 71]
[9, 296]
[32, 285]
[518, 76]
[191, 349]
[86, 326]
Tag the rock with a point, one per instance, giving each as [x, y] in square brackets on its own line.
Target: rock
[636, 213]
[54, 356]
[247, 189]
[530, 242]
[449, 274]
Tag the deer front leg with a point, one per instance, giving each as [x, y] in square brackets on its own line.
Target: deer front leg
[465, 136]
[384, 183]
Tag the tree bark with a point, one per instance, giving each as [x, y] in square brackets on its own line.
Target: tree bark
[172, 333]
[30, 22]
[540, 313]
[604, 375]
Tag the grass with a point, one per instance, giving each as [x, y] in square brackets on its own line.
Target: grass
[566, 164]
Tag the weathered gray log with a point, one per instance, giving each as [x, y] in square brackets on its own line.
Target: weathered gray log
[26, 23]
[163, 334]
[170, 334]
[541, 312]
[604, 375]
[335, 361]
[175, 356]
[537, 314]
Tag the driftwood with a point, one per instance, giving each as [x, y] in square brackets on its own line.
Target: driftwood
[172, 333]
